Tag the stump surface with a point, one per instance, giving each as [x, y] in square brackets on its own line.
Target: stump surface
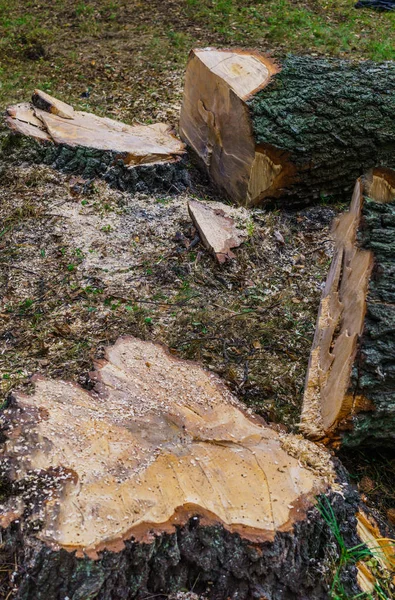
[159, 441]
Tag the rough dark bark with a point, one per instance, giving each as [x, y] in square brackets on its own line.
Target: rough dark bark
[373, 374]
[332, 119]
[158, 480]
[350, 385]
[165, 178]
[206, 560]
[309, 131]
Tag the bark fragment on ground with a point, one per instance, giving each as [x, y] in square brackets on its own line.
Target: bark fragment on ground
[83, 143]
[160, 465]
[350, 385]
[217, 231]
[295, 132]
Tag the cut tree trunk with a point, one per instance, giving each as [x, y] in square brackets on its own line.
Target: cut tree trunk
[293, 133]
[131, 157]
[159, 480]
[350, 387]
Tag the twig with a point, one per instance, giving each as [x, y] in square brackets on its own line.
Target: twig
[318, 246]
[19, 268]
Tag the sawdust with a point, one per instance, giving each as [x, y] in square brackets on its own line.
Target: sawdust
[83, 264]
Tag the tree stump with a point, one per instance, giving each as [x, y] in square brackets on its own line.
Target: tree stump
[295, 132]
[350, 386]
[144, 158]
[160, 480]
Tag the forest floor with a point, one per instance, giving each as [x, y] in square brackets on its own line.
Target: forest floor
[82, 265]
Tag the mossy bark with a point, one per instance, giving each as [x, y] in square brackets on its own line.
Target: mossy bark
[349, 395]
[373, 375]
[328, 122]
[162, 177]
[205, 559]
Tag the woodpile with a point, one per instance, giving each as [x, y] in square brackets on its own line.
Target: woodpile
[350, 385]
[296, 132]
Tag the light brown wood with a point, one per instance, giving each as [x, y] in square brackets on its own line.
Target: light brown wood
[138, 144]
[158, 441]
[343, 302]
[52, 105]
[217, 231]
[329, 403]
[20, 118]
[215, 120]
[369, 533]
[245, 72]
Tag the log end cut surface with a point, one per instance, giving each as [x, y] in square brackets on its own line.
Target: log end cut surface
[244, 71]
[158, 441]
[215, 120]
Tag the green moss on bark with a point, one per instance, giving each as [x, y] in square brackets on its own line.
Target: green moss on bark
[333, 119]
[374, 372]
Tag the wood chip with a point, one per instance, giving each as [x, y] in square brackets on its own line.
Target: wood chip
[217, 231]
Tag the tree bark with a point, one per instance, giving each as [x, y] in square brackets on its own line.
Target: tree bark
[301, 132]
[350, 387]
[159, 480]
[132, 158]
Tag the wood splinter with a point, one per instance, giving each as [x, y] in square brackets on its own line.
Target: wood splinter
[217, 230]
[349, 395]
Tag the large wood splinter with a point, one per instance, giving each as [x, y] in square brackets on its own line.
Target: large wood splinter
[350, 386]
[294, 132]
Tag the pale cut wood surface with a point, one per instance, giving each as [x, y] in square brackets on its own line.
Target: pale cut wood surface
[339, 325]
[158, 441]
[52, 105]
[244, 72]
[215, 120]
[218, 231]
[138, 144]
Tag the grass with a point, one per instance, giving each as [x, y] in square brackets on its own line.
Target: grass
[383, 588]
[326, 27]
[126, 59]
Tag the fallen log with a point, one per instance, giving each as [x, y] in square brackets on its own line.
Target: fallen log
[296, 132]
[159, 480]
[146, 158]
[350, 386]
